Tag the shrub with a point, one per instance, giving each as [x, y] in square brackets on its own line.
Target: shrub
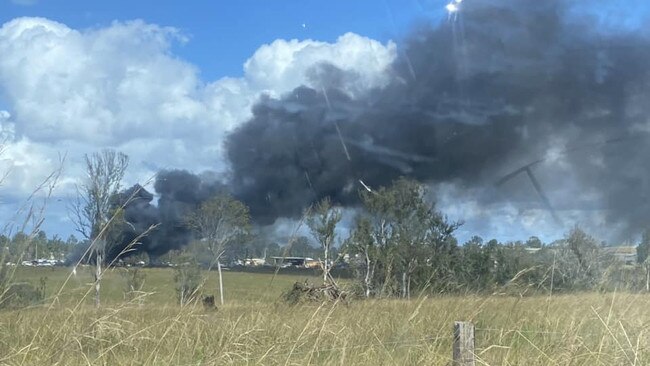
[187, 277]
[134, 278]
[304, 292]
[21, 295]
[209, 303]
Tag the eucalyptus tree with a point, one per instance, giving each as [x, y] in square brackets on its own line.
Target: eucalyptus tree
[322, 222]
[411, 241]
[220, 222]
[93, 211]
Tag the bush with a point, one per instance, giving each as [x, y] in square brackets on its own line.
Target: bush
[304, 292]
[187, 277]
[209, 303]
[619, 277]
[21, 295]
[134, 278]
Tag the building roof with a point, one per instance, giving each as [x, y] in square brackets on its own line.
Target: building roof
[294, 258]
[629, 250]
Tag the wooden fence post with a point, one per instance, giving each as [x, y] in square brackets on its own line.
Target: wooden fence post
[464, 344]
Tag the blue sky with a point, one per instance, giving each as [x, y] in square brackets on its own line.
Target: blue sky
[223, 34]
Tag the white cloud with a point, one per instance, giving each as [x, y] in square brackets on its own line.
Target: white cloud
[282, 65]
[77, 91]
[482, 213]
[100, 85]
[7, 128]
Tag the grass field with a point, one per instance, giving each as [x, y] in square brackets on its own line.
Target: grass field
[159, 284]
[256, 328]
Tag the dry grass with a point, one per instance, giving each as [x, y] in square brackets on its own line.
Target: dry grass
[256, 328]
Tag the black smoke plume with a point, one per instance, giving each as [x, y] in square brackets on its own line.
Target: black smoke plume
[504, 83]
[501, 84]
[180, 192]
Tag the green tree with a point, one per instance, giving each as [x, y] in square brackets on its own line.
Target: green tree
[19, 245]
[361, 245]
[93, 211]
[512, 264]
[579, 263]
[534, 242]
[56, 248]
[322, 222]
[583, 248]
[39, 242]
[477, 264]
[413, 243]
[72, 240]
[643, 249]
[134, 278]
[187, 275]
[642, 252]
[218, 223]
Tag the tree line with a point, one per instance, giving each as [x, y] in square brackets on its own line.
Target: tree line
[25, 247]
[400, 245]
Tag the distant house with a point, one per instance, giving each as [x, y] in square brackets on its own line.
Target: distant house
[42, 263]
[532, 250]
[625, 254]
[254, 262]
[301, 262]
[312, 263]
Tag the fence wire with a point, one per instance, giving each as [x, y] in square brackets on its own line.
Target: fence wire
[524, 331]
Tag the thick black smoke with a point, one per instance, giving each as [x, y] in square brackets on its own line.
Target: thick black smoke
[180, 192]
[504, 84]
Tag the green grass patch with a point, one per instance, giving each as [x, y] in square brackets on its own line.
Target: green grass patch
[158, 284]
